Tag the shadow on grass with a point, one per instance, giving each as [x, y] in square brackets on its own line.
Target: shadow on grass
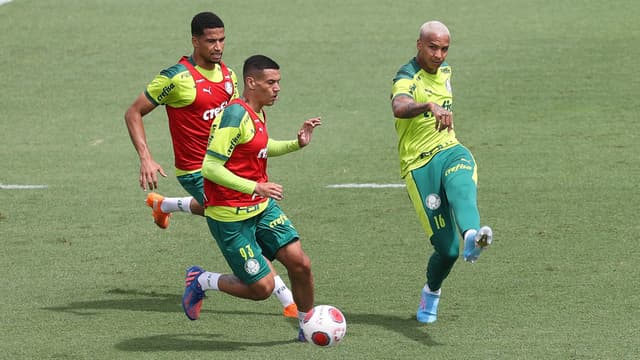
[191, 342]
[134, 300]
[408, 326]
[130, 300]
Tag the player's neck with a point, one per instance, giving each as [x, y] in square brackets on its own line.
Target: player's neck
[254, 105]
[207, 65]
[425, 67]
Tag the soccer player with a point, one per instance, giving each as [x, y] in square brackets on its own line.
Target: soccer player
[241, 209]
[193, 91]
[440, 173]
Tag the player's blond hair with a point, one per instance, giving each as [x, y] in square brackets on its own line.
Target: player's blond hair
[434, 27]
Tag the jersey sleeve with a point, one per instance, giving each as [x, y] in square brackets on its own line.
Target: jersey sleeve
[281, 147]
[214, 170]
[164, 88]
[403, 86]
[227, 132]
[156, 87]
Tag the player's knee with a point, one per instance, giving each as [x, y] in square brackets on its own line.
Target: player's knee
[301, 266]
[462, 196]
[449, 257]
[452, 258]
[261, 290]
[454, 254]
[295, 260]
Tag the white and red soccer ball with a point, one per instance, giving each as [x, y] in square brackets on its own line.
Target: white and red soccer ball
[324, 326]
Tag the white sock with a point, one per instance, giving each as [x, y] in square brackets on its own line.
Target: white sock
[282, 292]
[301, 316]
[173, 204]
[426, 288]
[209, 280]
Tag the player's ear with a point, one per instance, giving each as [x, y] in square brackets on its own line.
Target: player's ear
[194, 42]
[250, 82]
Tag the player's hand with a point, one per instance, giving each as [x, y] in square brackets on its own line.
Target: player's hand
[149, 171]
[304, 135]
[444, 117]
[269, 190]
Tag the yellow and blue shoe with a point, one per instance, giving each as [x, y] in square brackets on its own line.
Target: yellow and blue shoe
[428, 309]
[193, 293]
[475, 242]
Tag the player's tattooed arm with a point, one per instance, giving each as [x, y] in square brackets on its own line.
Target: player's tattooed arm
[404, 107]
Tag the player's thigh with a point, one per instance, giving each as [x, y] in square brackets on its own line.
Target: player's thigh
[194, 184]
[274, 230]
[238, 245]
[430, 203]
[459, 160]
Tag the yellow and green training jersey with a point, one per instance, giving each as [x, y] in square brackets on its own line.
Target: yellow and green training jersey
[174, 86]
[418, 138]
[193, 97]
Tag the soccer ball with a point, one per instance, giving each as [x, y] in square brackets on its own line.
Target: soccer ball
[324, 326]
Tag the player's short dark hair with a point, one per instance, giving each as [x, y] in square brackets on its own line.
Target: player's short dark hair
[205, 20]
[258, 63]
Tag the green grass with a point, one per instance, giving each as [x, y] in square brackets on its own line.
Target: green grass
[546, 98]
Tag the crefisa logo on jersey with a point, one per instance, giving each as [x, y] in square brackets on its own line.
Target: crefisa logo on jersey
[228, 87]
[165, 92]
[210, 114]
[433, 201]
[252, 266]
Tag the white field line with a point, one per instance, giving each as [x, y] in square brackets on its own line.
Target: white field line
[364, 186]
[2, 2]
[21, 187]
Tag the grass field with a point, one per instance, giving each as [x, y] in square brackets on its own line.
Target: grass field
[546, 98]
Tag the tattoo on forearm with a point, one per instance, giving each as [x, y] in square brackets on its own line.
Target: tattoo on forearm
[410, 109]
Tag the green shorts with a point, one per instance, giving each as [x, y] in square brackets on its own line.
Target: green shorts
[245, 244]
[427, 189]
[194, 184]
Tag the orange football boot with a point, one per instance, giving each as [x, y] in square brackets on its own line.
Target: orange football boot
[290, 311]
[159, 217]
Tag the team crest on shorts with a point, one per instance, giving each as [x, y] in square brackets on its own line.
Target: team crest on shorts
[433, 201]
[252, 266]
